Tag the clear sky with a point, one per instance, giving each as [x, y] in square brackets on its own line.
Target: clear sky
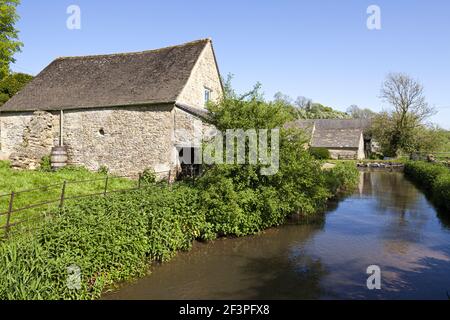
[321, 49]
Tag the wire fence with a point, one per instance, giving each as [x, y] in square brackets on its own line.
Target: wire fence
[11, 216]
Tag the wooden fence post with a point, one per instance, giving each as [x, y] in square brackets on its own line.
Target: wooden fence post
[63, 194]
[8, 217]
[106, 185]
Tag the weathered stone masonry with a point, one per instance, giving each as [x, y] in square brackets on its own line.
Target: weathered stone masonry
[128, 112]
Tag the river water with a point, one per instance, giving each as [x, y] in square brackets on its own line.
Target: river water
[386, 222]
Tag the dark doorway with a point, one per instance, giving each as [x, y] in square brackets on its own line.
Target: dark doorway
[190, 162]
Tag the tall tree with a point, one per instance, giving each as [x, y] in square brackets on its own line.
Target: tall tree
[304, 108]
[399, 127]
[11, 84]
[9, 35]
[358, 113]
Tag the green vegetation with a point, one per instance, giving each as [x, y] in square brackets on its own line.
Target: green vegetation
[12, 180]
[342, 178]
[114, 238]
[105, 237]
[360, 113]
[9, 44]
[434, 178]
[11, 84]
[320, 153]
[403, 129]
[304, 108]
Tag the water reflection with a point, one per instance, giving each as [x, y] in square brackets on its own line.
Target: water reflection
[386, 222]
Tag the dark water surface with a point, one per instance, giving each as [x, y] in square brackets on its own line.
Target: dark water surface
[386, 222]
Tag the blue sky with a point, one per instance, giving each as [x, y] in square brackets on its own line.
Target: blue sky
[320, 49]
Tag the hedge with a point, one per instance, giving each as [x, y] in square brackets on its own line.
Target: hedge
[434, 178]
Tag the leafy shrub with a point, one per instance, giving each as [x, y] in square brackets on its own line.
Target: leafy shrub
[45, 165]
[343, 177]
[424, 173]
[441, 191]
[103, 170]
[174, 220]
[238, 199]
[320, 153]
[148, 177]
[435, 178]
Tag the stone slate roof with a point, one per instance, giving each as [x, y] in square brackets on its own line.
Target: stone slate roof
[331, 133]
[362, 124]
[201, 113]
[140, 78]
[336, 138]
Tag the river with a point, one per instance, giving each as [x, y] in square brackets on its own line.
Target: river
[386, 222]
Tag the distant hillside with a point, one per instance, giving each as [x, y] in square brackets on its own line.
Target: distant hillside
[304, 108]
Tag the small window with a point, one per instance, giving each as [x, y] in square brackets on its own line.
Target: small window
[207, 95]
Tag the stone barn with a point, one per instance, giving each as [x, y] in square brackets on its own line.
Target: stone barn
[123, 111]
[344, 139]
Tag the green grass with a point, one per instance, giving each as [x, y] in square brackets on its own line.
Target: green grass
[17, 181]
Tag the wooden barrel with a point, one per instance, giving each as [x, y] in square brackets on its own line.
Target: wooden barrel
[58, 157]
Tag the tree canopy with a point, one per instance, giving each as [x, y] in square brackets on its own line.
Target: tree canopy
[11, 84]
[304, 108]
[360, 113]
[403, 129]
[9, 35]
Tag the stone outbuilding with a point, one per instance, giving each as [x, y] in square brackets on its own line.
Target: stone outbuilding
[344, 139]
[128, 112]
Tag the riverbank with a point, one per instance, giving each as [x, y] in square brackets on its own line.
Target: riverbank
[98, 242]
[386, 221]
[434, 178]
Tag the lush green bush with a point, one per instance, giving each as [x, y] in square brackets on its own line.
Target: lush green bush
[174, 219]
[342, 178]
[238, 199]
[441, 191]
[320, 153]
[424, 173]
[46, 164]
[148, 177]
[435, 178]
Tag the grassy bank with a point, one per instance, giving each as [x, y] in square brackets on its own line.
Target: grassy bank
[14, 180]
[434, 178]
[114, 238]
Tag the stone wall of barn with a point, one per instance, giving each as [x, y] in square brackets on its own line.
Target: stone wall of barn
[204, 75]
[125, 140]
[190, 129]
[25, 138]
[345, 154]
